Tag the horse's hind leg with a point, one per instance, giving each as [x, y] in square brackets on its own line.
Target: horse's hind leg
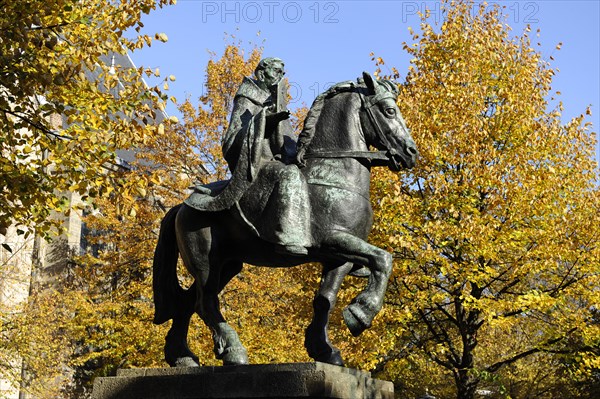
[227, 344]
[316, 338]
[210, 281]
[360, 313]
[177, 352]
[199, 251]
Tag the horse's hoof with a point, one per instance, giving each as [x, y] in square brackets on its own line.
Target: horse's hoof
[185, 362]
[334, 357]
[235, 357]
[356, 319]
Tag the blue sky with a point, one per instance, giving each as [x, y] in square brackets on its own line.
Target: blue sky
[323, 42]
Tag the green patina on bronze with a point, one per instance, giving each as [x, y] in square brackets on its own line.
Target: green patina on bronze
[285, 204]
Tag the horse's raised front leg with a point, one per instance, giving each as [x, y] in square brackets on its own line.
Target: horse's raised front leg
[316, 337]
[360, 313]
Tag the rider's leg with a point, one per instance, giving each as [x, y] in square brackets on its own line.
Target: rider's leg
[292, 224]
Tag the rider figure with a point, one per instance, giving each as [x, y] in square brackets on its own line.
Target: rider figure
[289, 199]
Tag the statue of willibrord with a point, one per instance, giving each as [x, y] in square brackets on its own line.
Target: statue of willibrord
[287, 203]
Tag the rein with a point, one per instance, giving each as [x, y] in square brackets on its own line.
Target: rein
[370, 155]
[367, 104]
[377, 158]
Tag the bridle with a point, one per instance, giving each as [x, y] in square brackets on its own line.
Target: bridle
[375, 157]
[368, 103]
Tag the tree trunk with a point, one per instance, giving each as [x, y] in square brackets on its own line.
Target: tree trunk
[465, 384]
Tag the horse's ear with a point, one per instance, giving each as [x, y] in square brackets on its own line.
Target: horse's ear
[370, 82]
[391, 86]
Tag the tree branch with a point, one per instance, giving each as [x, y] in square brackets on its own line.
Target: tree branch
[496, 366]
[38, 126]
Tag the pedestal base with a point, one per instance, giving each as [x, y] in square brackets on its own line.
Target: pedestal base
[292, 380]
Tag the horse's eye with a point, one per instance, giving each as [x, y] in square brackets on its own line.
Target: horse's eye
[390, 111]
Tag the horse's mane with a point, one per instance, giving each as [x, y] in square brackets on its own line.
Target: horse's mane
[310, 123]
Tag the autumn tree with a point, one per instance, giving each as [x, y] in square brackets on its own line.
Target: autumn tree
[65, 108]
[495, 231]
[103, 309]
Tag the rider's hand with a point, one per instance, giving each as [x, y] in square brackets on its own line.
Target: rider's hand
[278, 116]
[300, 157]
[274, 118]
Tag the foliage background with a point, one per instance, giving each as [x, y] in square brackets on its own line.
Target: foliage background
[494, 235]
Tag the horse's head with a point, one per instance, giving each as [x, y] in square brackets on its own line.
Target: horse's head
[383, 124]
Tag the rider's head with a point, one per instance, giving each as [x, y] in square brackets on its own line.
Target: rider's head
[269, 71]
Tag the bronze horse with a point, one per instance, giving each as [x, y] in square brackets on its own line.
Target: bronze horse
[351, 117]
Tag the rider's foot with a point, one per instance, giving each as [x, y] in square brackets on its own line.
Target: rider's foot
[294, 250]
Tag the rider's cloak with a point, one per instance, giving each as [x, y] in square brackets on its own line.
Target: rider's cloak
[243, 147]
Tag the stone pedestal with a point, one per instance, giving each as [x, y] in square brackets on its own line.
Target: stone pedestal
[292, 380]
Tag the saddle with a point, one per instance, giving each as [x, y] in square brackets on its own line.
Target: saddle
[274, 200]
[211, 189]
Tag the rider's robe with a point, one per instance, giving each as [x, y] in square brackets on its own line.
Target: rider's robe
[247, 122]
[270, 196]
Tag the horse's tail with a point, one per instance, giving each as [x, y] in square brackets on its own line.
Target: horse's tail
[170, 299]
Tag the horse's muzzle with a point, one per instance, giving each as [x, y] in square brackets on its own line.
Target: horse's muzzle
[404, 160]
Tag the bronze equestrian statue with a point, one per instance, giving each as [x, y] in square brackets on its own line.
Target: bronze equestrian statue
[283, 207]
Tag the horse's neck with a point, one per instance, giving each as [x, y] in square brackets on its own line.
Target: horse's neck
[339, 128]
[338, 136]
